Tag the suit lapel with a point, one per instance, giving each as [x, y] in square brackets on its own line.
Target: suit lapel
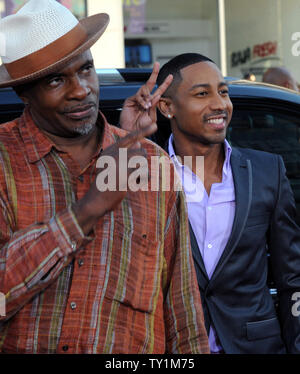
[242, 175]
[198, 260]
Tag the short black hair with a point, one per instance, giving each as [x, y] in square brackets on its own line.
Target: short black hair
[174, 66]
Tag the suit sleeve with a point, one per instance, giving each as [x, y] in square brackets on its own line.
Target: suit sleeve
[284, 246]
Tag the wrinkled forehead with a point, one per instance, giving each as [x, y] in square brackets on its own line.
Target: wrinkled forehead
[79, 59]
[75, 63]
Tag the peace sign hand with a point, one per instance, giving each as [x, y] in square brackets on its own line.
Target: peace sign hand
[140, 110]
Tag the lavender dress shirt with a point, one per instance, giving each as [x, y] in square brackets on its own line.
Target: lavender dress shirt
[211, 216]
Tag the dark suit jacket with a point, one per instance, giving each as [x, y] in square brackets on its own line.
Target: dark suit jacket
[236, 299]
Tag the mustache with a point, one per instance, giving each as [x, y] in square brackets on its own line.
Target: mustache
[216, 113]
[79, 107]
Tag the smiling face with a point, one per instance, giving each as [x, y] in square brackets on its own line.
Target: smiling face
[200, 105]
[65, 104]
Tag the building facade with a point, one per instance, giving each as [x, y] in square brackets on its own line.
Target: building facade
[241, 36]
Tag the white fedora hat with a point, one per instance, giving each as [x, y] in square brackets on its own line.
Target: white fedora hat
[41, 38]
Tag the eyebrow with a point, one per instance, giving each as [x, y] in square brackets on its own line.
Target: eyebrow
[206, 85]
[59, 74]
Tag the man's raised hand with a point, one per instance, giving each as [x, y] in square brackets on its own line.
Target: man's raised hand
[140, 110]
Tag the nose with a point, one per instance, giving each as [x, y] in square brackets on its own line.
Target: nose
[218, 102]
[78, 89]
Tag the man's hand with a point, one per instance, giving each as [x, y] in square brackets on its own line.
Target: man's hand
[140, 110]
[96, 203]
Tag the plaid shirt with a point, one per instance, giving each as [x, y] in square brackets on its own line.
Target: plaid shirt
[130, 287]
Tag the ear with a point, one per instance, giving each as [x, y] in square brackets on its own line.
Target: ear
[26, 102]
[165, 106]
[24, 98]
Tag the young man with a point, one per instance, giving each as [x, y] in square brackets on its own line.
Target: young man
[83, 270]
[244, 209]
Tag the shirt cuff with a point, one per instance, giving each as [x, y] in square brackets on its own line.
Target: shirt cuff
[67, 232]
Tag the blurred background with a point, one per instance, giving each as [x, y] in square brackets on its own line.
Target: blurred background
[244, 37]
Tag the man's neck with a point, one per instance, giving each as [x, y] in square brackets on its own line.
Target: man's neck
[214, 157]
[81, 148]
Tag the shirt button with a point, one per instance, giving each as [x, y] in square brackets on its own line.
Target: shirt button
[209, 208]
[209, 246]
[73, 305]
[80, 262]
[73, 245]
[65, 348]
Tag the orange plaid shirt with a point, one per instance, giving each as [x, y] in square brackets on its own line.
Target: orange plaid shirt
[130, 287]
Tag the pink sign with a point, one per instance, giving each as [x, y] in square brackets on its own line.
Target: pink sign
[137, 12]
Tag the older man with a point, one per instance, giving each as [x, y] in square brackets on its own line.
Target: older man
[83, 271]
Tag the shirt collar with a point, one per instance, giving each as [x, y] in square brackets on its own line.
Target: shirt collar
[228, 151]
[227, 148]
[38, 145]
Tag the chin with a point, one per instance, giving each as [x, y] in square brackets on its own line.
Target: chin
[84, 129]
[219, 138]
[211, 140]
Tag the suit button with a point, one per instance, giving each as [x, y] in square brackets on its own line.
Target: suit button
[65, 348]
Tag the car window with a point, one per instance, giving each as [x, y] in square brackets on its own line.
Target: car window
[270, 131]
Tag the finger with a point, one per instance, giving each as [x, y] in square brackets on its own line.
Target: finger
[137, 135]
[144, 97]
[164, 86]
[152, 111]
[151, 82]
[155, 99]
[160, 91]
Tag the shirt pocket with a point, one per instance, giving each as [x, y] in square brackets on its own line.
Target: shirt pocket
[134, 271]
[262, 329]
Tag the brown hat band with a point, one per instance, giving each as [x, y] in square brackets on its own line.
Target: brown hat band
[48, 55]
